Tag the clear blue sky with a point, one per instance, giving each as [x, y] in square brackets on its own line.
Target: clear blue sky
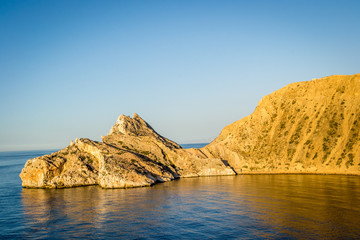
[69, 68]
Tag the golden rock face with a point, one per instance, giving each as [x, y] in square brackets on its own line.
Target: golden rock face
[305, 127]
[131, 155]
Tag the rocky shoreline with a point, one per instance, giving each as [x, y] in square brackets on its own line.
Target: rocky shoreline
[308, 127]
[131, 155]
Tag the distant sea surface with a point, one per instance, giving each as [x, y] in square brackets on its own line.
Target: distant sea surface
[227, 207]
[194, 145]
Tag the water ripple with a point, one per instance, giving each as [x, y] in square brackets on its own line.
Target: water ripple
[232, 207]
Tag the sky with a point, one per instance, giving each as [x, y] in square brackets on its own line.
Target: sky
[68, 69]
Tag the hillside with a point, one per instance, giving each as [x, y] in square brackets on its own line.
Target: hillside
[305, 127]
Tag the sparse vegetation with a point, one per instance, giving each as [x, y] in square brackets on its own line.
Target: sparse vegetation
[325, 147]
[145, 152]
[126, 147]
[89, 160]
[290, 153]
[339, 161]
[350, 162]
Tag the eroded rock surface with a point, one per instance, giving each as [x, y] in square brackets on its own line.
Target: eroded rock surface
[131, 155]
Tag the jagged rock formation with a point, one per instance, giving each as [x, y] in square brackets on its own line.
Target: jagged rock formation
[131, 155]
[305, 127]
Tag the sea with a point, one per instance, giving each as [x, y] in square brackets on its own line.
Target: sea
[222, 207]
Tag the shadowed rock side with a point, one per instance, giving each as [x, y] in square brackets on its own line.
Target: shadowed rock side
[305, 127]
[131, 155]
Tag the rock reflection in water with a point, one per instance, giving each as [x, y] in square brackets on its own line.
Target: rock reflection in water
[270, 206]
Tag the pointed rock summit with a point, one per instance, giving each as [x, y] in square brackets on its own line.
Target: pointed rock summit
[135, 127]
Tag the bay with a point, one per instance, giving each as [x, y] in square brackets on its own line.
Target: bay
[224, 207]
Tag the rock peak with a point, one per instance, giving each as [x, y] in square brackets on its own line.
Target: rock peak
[134, 126]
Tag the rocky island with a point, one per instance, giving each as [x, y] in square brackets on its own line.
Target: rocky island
[133, 154]
[305, 127]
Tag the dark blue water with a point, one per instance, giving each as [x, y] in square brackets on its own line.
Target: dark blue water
[228, 207]
[194, 145]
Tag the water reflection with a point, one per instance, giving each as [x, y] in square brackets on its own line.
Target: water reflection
[270, 206]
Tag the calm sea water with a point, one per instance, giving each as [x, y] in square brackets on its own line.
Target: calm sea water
[227, 207]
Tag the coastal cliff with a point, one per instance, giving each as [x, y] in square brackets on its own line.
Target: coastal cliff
[305, 127]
